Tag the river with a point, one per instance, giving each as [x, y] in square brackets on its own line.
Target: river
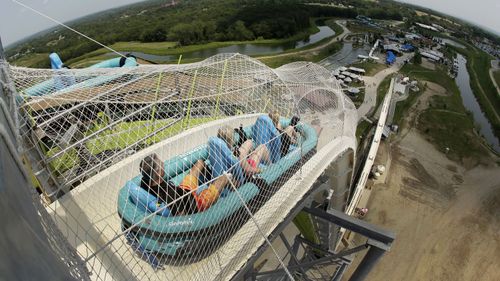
[250, 49]
[471, 104]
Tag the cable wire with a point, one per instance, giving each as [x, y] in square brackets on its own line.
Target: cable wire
[72, 29]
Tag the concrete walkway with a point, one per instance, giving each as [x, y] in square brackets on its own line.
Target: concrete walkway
[372, 153]
[372, 84]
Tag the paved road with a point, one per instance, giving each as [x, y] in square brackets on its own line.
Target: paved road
[372, 84]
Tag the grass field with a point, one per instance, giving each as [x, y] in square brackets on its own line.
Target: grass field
[446, 123]
[354, 27]
[403, 106]
[371, 68]
[359, 98]
[155, 48]
[122, 136]
[33, 60]
[312, 56]
[382, 91]
[362, 129]
[275, 62]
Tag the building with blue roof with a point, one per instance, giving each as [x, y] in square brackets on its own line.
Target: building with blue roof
[391, 58]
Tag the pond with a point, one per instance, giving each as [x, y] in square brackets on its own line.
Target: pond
[250, 49]
[471, 104]
[347, 55]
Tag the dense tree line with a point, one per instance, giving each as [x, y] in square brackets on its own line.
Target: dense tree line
[384, 13]
[188, 22]
[200, 21]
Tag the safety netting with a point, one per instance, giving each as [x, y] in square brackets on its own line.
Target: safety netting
[167, 172]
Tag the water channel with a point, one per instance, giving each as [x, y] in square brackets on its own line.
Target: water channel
[471, 104]
[250, 49]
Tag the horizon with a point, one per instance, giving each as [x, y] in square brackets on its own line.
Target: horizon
[486, 28]
[9, 42]
[53, 8]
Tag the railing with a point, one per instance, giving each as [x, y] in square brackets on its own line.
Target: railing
[35, 245]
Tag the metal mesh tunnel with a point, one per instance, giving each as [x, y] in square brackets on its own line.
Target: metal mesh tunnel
[178, 172]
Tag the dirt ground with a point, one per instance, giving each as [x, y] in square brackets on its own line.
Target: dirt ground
[446, 217]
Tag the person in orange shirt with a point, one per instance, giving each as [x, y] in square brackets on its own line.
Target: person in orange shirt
[176, 197]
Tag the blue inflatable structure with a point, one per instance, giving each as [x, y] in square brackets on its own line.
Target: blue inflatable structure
[64, 80]
[391, 58]
[55, 61]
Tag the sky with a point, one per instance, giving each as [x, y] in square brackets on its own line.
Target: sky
[17, 22]
[485, 13]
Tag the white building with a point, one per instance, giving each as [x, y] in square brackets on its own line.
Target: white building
[357, 70]
[437, 26]
[392, 47]
[401, 87]
[412, 36]
[425, 26]
[431, 56]
[436, 53]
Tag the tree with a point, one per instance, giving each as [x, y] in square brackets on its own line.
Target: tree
[156, 35]
[240, 32]
[209, 30]
[261, 29]
[183, 33]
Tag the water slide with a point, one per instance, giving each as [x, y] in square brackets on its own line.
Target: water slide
[96, 201]
[227, 89]
[64, 80]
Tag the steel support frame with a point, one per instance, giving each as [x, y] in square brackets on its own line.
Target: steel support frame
[379, 241]
[246, 271]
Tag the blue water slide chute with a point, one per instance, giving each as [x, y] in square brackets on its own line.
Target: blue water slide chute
[62, 80]
[198, 235]
[55, 61]
[116, 62]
